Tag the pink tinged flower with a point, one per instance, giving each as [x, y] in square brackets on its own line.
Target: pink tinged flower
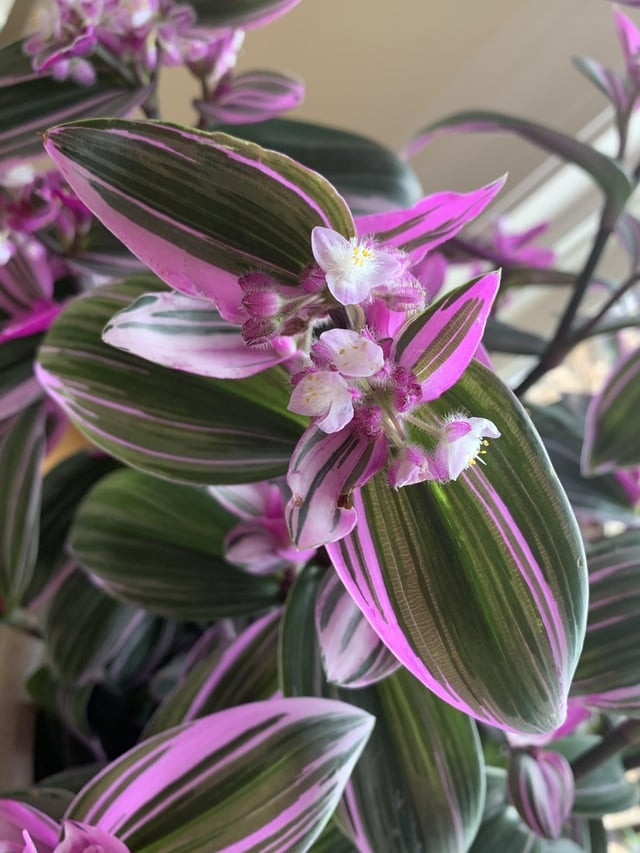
[463, 440]
[24, 829]
[350, 353]
[260, 543]
[520, 248]
[326, 396]
[411, 465]
[353, 267]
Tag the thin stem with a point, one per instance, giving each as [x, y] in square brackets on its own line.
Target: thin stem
[585, 330]
[561, 343]
[623, 735]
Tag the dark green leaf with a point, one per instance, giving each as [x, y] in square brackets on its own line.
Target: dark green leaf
[21, 454]
[172, 424]
[369, 176]
[159, 545]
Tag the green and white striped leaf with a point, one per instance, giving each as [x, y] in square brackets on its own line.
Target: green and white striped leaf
[244, 671]
[179, 426]
[478, 586]
[85, 629]
[603, 790]
[608, 673]
[159, 545]
[259, 777]
[368, 175]
[611, 436]
[420, 783]
[22, 441]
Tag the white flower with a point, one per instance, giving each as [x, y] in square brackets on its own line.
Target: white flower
[461, 443]
[324, 395]
[352, 267]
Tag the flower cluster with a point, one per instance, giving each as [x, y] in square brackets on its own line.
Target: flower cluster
[41, 223]
[75, 39]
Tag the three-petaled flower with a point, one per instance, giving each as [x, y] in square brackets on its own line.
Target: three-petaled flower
[352, 268]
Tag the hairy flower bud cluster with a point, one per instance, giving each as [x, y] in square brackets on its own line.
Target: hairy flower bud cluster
[350, 382]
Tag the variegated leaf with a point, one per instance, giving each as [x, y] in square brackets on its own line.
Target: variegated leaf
[420, 782]
[30, 103]
[67, 703]
[19, 388]
[85, 629]
[244, 671]
[62, 489]
[608, 673]
[369, 176]
[240, 13]
[22, 442]
[541, 787]
[299, 666]
[610, 83]
[601, 497]
[182, 427]
[324, 470]
[352, 653]
[159, 545]
[188, 334]
[439, 344]
[199, 209]
[478, 586]
[505, 832]
[431, 221]
[264, 776]
[611, 440]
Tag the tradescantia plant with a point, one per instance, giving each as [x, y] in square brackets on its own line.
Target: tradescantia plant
[319, 579]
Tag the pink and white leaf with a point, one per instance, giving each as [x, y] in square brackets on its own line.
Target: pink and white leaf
[188, 334]
[323, 472]
[352, 653]
[541, 787]
[262, 776]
